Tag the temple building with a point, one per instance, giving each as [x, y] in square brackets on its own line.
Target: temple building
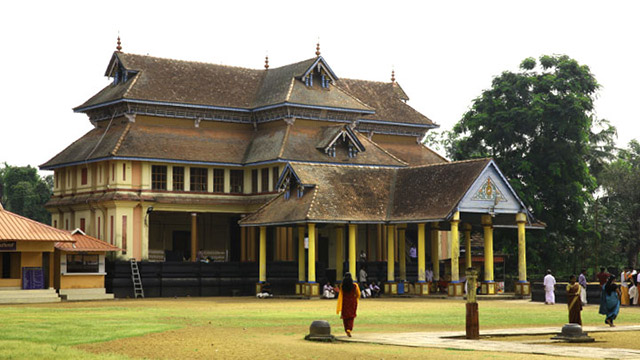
[189, 161]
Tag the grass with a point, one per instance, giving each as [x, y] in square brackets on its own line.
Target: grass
[240, 327]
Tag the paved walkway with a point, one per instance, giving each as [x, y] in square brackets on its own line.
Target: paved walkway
[456, 340]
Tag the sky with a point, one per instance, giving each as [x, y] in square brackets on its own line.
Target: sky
[444, 53]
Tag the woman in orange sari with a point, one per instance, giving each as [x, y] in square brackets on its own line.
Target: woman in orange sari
[348, 302]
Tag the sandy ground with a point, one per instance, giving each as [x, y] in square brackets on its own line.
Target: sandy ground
[622, 340]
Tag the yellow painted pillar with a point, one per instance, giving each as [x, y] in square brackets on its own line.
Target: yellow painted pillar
[301, 255]
[402, 256]
[421, 253]
[435, 250]
[263, 254]
[521, 219]
[194, 236]
[312, 252]
[467, 246]
[489, 286]
[352, 250]
[339, 252]
[390, 263]
[455, 248]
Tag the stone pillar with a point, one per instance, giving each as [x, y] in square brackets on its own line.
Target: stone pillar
[467, 246]
[456, 288]
[421, 287]
[339, 252]
[390, 287]
[523, 288]
[194, 236]
[488, 286]
[301, 261]
[353, 229]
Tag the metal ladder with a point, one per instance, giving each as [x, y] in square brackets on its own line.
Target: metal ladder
[137, 282]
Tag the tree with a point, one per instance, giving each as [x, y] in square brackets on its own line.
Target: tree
[538, 125]
[24, 192]
[621, 184]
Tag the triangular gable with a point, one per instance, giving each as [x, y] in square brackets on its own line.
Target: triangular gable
[320, 65]
[491, 193]
[118, 71]
[332, 135]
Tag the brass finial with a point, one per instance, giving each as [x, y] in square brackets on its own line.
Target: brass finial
[393, 76]
[266, 62]
[119, 47]
[318, 48]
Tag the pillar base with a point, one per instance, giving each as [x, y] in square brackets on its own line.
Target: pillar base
[391, 288]
[299, 288]
[455, 289]
[488, 288]
[422, 288]
[311, 289]
[523, 289]
[259, 287]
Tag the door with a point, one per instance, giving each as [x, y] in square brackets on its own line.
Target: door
[181, 246]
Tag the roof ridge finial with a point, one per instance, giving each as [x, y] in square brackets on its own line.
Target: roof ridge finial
[318, 48]
[266, 62]
[119, 46]
[393, 76]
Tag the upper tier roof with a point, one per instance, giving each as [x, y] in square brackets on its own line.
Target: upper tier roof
[189, 83]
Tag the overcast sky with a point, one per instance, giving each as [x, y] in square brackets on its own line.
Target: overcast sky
[54, 53]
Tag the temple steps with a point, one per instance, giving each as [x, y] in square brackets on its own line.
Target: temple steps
[16, 296]
[85, 294]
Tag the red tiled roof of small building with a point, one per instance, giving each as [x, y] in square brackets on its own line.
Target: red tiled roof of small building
[84, 242]
[14, 227]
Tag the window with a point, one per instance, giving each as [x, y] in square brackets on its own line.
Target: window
[254, 181]
[82, 263]
[265, 179]
[237, 181]
[178, 178]
[55, 224]
[158, 177]
[56, 175]
[218, 180]
[113, 172]
[82, 224]
[276, 175]
[124, 234]
[198, 179]
[325, 82]
[84, 176]
[100, 174]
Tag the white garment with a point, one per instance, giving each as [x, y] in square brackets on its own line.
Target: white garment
[583, 295]
[366, 293]
[429, 275]
[633, 294]
[549, 287]
[623, 279]
[363, 276]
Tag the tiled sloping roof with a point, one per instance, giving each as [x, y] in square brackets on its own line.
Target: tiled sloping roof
[186, 82]
[372, 194]
[302, 141]
[85, 242]
[412, 153]
[433, 191]
[14, 227]
[317, 96]
[386, 99]
[92, 145]
[266, 144]
[158, 142]
[277, 83]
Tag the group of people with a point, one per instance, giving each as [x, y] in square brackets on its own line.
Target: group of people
[611, 295]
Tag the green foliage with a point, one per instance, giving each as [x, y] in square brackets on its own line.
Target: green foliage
[24, 192]
[538, 125]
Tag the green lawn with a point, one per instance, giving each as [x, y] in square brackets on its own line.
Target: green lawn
[55, 330]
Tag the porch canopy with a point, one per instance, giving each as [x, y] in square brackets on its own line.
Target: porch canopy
[472, 192]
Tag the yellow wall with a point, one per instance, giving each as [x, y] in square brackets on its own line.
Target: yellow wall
[10, 283]
[81, 281]
[31, 259]
[46, 246]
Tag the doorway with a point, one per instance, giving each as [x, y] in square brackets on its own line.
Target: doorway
[181, 246]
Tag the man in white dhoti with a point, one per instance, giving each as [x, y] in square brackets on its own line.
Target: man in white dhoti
[549, 286]
[582, 280]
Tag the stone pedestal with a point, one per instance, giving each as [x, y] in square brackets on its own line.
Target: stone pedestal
[391, 288]
[320, 330]
[422, 288]
[299, 288]
[523, 289]
[455, 289]
[311, 289]
[573, 333]
[259, 287]
[488, 288]
[407, 287]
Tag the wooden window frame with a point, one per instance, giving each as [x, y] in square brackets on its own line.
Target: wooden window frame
[198, 179]
[158, 177]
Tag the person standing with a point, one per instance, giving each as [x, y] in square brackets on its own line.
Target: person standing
[633, 292]
[573, 301]
[362, 277]
[602, 276]
[429, 275]
[413, 254]
[582, 280]
[549, 287]
[624, 286]
[348, 302]
[610, 300]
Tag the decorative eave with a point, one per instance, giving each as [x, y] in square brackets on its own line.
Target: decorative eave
[344, 132]
[320, 64]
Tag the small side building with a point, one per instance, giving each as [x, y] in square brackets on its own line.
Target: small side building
[79, 267]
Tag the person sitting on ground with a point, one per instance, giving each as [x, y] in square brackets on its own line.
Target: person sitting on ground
[265, 292]
[375, 289]
[327, 291]
[366, 292]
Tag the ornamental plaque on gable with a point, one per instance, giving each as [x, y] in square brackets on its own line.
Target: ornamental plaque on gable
[489, 191]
